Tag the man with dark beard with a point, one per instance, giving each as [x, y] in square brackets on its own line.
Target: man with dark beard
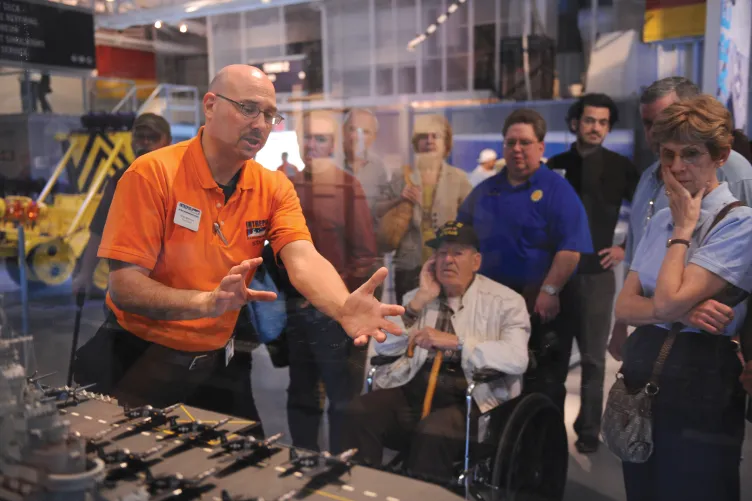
[603, 179]
[150, 132]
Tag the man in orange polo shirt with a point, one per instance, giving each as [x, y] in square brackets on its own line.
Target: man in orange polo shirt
[185, 231]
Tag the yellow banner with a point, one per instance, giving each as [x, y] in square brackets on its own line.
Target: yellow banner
[674, 22]
[113, 89]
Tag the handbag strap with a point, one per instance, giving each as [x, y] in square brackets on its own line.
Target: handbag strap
[652, 386]
[407, 174]
[723, 213]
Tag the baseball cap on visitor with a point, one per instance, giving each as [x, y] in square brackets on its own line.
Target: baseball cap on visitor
[486, 156]
[154, 122]
[456, 233]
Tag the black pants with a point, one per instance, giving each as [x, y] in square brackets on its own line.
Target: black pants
[138, 372]
[698, 418]
[589, 322]
[405, 281]
[319, 351]
[551, 346]
[391, 418]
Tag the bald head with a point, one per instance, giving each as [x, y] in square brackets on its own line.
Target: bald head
[240, 100]
[239, 74]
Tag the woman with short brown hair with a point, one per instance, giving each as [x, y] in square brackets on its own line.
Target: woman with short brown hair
[690, 253]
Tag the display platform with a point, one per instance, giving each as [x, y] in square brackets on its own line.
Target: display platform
[197, 454]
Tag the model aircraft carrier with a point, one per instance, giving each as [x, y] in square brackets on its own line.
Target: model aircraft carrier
[70, 444]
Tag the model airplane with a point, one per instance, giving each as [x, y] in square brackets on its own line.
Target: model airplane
[124, 463]
[34, 379]
[65, 395]
[227, 497]
[247, 444]
[175, 486]
[314, 464]
[146, 418]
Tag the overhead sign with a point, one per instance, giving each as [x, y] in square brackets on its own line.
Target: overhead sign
[46, 34]
[669, 19]
[285, 73]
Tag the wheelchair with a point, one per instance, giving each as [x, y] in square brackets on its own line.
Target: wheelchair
[523, 454]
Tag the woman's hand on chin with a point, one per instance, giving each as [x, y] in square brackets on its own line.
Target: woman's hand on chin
[685, 208]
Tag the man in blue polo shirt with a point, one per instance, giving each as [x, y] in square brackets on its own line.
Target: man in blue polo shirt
[532, 229]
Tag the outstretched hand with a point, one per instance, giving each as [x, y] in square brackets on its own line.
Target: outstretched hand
[232, 293]
[363, 316]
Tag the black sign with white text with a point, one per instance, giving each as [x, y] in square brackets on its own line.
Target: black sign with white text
[46, 34]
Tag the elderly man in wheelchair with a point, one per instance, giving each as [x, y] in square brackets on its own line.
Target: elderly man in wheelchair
[453, 382]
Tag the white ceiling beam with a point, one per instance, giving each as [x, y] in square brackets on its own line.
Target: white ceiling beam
[159, 46]
[189, 10]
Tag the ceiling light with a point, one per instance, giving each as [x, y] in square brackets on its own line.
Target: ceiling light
[431, 29]
[452, 8]
[272, 77]
[192, 8]
[441, 18]
[183, 28]
[158, 24]
[301, 75]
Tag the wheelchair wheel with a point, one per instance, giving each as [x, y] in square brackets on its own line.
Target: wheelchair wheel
[533, 456]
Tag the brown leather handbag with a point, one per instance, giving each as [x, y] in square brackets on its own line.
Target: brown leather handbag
[394, 223]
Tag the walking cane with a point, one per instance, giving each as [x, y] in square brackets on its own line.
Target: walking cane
[80, 299]
[432, 378]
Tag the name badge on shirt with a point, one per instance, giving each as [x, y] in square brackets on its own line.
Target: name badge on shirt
[187, 216]
[229, 351]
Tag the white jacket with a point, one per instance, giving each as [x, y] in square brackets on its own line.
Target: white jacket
[494, 326]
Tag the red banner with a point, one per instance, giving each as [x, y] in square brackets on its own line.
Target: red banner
[126, 63]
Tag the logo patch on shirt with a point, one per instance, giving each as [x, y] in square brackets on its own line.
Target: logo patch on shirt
[256, 229]
[536, 195]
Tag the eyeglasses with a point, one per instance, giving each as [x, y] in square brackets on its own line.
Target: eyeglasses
[524, 143]
[689, 156]
[252, 111]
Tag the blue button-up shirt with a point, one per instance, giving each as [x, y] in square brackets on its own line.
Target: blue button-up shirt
[649, 196]
[723, 252]
[521, 228]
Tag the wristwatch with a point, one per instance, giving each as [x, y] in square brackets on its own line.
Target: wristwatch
[672, 241]
[550, 290]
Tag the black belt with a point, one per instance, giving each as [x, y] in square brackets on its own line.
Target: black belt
[194, 361]
[191, 360]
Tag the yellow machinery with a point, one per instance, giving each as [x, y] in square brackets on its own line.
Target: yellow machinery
[57, 230]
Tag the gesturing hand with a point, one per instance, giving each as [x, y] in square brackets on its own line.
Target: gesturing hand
[363, 316]
[232, 293]
[685, 208]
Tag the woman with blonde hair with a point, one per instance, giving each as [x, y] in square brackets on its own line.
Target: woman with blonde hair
[695, 250]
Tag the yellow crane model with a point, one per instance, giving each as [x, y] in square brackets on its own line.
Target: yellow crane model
[57, 230]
